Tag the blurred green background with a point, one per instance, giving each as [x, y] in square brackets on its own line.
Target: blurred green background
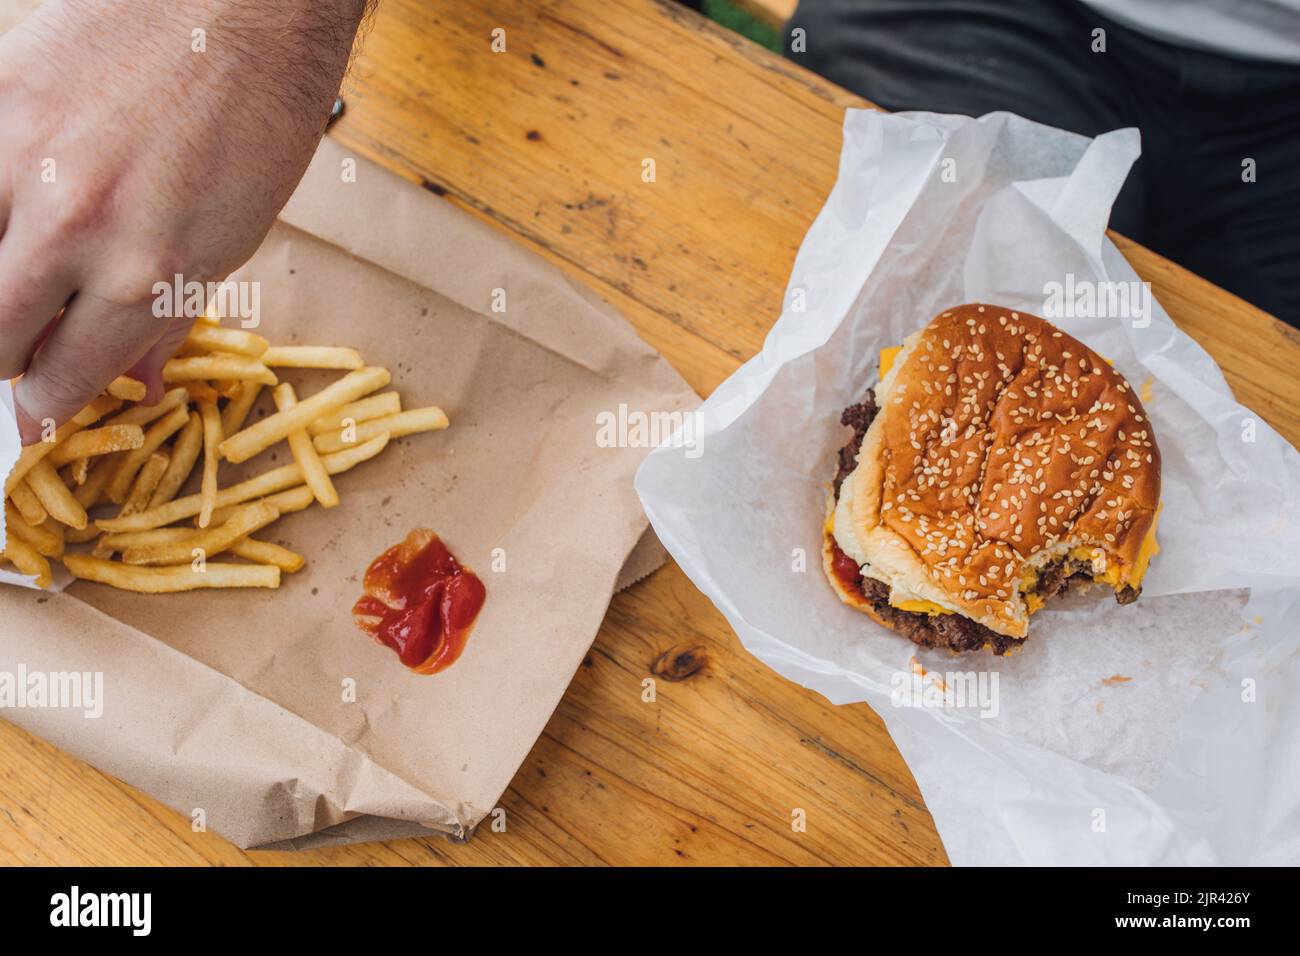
[734, 18]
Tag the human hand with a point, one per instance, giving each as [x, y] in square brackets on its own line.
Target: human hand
[134, 148]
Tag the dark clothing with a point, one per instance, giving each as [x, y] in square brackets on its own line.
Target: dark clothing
[1201, 114]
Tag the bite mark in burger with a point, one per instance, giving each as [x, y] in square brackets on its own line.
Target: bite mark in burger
[999, 463]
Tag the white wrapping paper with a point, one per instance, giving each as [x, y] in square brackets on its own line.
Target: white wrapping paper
[1163, 732]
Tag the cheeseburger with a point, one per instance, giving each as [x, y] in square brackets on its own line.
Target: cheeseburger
[998, 464]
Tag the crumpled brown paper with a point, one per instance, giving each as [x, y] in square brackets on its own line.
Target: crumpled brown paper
[233, 706]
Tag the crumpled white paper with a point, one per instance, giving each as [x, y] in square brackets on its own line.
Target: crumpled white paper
[1163, 732]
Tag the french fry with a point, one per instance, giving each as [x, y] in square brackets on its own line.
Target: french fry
[177, 578]
[267, 483]
[131, 461]
[202, 392]
[91, 491]
[43, 537]
[217, 365]
[146, 480]
[215, 338]
[81, 535]
[295, 499]
[58, 531]
[403, 423]
[312, 356]
[242, 399]
[126, 460]
[127, 388]
[128, 539]
[304, 454]
[96, 410]
[29, 561]
[185, 452]
[245, 444]
[97, 441]
[211, 439]
[30, 455]
[61, 504]
[211, 541]
[29, 506]
[34, 453]
[373, 406]
[264, 552]
[144, 414]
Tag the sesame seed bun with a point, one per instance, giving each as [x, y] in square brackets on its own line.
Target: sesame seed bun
[1002, 445]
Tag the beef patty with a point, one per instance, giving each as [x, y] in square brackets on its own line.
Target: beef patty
[859, 418]
[952, 631]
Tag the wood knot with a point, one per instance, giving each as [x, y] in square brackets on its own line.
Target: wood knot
[680, 662]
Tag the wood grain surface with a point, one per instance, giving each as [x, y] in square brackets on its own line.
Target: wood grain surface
[546, 141]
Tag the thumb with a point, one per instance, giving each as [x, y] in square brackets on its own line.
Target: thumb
[87, 349]
[46, 397]
[29, 429]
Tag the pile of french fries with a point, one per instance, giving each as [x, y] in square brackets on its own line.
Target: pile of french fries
[117, 453]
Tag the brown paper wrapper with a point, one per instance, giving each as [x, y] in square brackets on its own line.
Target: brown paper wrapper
[235, 703]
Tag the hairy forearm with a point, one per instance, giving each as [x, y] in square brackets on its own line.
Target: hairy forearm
[257, 79]
[292, 50]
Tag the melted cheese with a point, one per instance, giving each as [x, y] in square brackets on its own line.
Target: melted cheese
[1111, 575]
[921, 607]
[1150, 547]
[887, 357]
[1097, 558]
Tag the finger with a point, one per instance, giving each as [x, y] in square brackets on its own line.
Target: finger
[149, 368]
[29, 429]
[33, 288]
[6, 204]
[91, 345]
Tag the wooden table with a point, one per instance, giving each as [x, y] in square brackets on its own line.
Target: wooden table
[546, 142]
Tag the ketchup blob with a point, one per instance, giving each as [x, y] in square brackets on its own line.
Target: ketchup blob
[421, 602]
[845, 568]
